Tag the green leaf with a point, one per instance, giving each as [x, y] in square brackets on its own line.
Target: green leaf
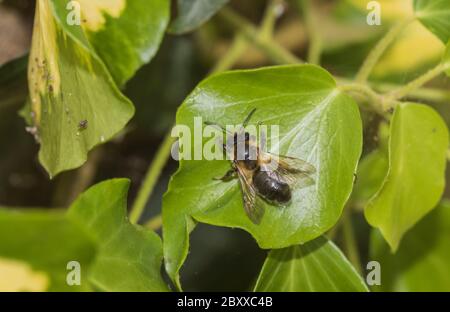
[114, 255]
[124, 33]
[315, 266]
[416, 177]
[193, 13]
[317, 123]
[435, 15]
[446, 59]
[13, 82]
[69, 84]
[422, 261]
[46, 241]
[372, 170]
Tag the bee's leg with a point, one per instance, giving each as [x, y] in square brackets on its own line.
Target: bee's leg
[247, 119]
[229, 175]
[262, 140]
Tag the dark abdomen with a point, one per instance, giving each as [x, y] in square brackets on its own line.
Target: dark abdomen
[270, 188]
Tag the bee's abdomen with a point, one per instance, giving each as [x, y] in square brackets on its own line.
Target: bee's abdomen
[271, 189]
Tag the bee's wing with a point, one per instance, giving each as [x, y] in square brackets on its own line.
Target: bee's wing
[253, 205]
[293, 164]
[293, 171]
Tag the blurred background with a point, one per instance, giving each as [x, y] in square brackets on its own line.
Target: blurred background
[227, 255]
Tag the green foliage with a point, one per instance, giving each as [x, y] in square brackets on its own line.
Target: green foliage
[114, 255]
[193, 13]
[75, 76]
[416, 176]
[46, 241]
[435, 15]
[122, 44]
[315, 266]
[421, 262]
[317, 122]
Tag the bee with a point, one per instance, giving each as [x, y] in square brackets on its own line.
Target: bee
[266, 178]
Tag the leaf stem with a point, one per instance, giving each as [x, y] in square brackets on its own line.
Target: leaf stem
[417, 83]
[272, 48]
[350, 243]
[151, 178]
[380, 48]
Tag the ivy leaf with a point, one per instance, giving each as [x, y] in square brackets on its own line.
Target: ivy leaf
[372, 170]
[421, 262]
[370, 176]
[315, 266]
[193, 13]
[114, 255]
[44, 241]
[317, 123]
[125, 33]
[424, 50]
[70, 86]
[416, 177]
[435, 15]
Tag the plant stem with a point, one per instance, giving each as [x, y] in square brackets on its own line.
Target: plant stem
[380, 48]
[350, 244]
[434, 95]
[374, 98]
[276, 52]
[417, 83]
[271, 14]
[312, 27]
[151, 178]
[71, 185]
[240, 43]
[154, 223]
[234, 52]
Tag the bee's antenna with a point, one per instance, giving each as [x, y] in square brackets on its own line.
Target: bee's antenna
[247, 119]
[210, 123]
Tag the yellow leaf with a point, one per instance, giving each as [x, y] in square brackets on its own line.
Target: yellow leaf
[19, 276]
[94, 11]
[390, 9]
[416, 47]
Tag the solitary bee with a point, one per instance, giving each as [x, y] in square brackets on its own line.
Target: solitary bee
[266, 177]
